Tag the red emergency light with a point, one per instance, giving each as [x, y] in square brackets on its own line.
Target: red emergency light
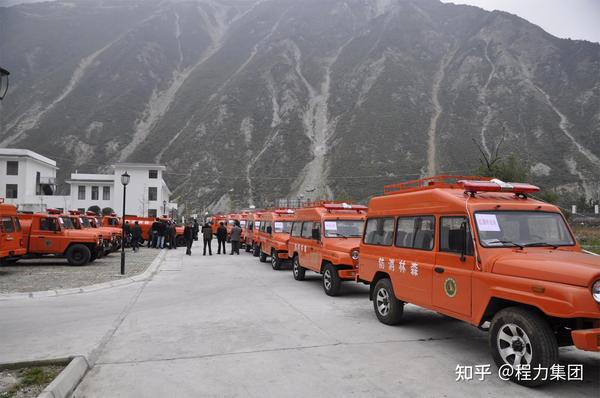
[284, 212]
[74, 212]
[90, 214]
[344, 206]
[53, 211]
[495, 185]
[113, 214]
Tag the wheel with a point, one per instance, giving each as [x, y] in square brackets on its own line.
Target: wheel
[255, 250]
[387, 307]
[94, 255]
[298, 271]
[331, 281]
[9, 262]
[78, 255]
[263, 256]
[275, 260]
[519, 336]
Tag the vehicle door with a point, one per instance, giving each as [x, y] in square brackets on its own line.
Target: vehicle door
[8, 237]
[43, 236]
[414, 258]
[306, 246]
[454, 266]
[376, 250]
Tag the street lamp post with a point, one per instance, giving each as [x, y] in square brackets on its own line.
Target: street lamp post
[164, 207]
[3, 82]
[124, 180]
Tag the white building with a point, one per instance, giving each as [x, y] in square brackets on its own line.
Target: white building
[26, 178]
[29, 180]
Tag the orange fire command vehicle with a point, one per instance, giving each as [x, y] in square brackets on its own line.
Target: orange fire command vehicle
[481, 251]
[116, 233]
[12, 245]
[52, 234]
[273, 235]
[325, 238]
[251, 231]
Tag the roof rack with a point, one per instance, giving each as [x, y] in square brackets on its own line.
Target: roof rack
[442, 181]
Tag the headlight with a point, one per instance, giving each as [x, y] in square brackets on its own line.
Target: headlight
[596, 291]
[354, 254]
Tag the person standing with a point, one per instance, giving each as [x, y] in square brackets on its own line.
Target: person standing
[136, 235]
[236, 234]
[207, 236]
[161, 232]
[196, 229]
[127, 234]
[153, 239]
[221, 237]
[188, 235]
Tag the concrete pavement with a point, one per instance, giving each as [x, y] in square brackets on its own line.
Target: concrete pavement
[230, 326]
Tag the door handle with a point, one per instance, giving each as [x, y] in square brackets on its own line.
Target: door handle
[439, 270]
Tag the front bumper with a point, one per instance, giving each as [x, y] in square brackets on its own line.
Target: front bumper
[586, 339]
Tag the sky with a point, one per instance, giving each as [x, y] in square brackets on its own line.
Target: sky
[575, 19]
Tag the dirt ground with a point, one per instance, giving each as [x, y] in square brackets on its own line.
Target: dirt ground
[27, 382]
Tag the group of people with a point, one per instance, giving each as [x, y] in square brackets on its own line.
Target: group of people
[133, 235]
[207, 236]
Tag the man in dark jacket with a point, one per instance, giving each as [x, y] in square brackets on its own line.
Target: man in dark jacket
[136, 236]
[188, 235]
[196, 229]
[221, 237]
[207, 236]
[161, 231]
[236, 234]
[153, 240]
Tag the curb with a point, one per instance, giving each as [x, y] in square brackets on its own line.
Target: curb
[67, 380]
[148, 273]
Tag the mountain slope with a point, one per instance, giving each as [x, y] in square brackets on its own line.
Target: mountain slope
[248, 101]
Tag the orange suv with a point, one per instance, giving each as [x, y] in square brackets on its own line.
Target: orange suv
[273, 236]
[481, 251]
[11, 237]
[325, 239]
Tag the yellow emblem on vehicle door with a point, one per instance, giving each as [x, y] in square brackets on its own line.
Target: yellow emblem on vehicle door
[450, 287]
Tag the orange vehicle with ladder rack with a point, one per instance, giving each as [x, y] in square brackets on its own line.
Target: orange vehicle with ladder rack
[325, 239]
[274, 234]
[481, 251]
[12, 246]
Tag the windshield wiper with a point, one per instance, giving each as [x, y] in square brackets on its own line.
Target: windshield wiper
[505, 242]
[534, 244]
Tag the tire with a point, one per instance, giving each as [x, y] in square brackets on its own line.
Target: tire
[331, 281]
[298, 271]
[255, 250]
[275, 260]
[388, 308]
[78, 255]
[262, 256]
[94, 255]
[524, 336]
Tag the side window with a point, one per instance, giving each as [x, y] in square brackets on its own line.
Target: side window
[379, 231]
[48, 224]
[453, 231]
[6, 225]
[316, 227]
[297, 228]
[307, 229]
[17, 224]
[416, 232]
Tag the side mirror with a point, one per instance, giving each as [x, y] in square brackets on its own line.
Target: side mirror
[316, 234]
[269, 230]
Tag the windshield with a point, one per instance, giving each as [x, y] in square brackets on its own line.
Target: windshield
[85, 222]
[283, 226]
[344, 228]
[67, 223]
[113, 221]
[522, 228]
[242, 223]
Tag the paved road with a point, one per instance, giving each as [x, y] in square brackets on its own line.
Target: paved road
[230, 326]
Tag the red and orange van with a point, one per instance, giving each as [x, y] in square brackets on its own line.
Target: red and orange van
[325, 238]
[482, 251]
[12, 246]
[273, 235]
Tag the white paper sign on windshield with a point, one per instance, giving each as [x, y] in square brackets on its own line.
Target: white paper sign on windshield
[487, 222]
[278, 226]
[331, 226]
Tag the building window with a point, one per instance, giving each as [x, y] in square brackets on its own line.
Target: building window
[153, 174]
[12, 168]
[38, 186]
[152, 213]
[152, 193]
[12, 191]
[95, 191]
[81, 192]
[105, 193]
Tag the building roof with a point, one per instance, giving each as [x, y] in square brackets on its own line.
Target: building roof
[26, 153]
[139, 166]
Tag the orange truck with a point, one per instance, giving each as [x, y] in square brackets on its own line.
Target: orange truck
[52, 234]
[91, 219]
[273, 235]
[12, 246]
[483, 252]
[325, 238]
